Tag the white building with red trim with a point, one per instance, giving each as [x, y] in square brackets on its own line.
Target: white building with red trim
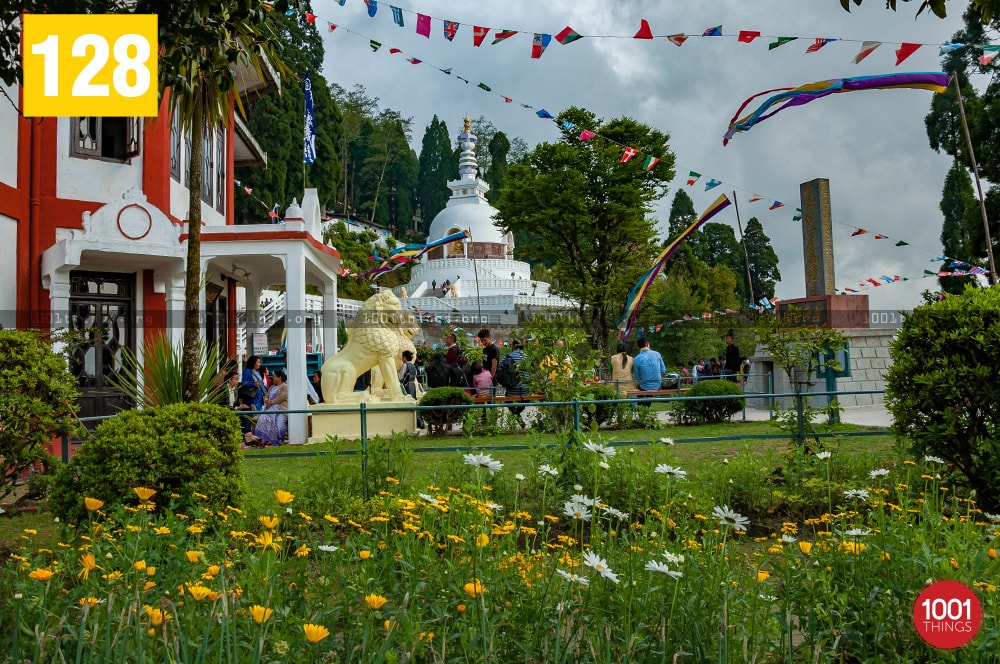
[93, 217]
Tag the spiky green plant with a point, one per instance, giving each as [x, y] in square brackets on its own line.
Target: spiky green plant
[162, 372]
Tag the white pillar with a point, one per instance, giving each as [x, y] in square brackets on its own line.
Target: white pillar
[174, 296]
[59, 305]
[330, 318]
[202, 304]
[253, 314]
[295, 342]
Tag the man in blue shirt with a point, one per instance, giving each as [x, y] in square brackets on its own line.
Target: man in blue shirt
[648, 367]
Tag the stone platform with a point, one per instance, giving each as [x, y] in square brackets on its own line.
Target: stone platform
[344, 422]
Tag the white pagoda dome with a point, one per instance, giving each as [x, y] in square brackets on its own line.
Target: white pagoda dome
[476, 277]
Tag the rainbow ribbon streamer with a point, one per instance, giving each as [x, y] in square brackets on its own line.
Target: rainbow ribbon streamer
[639, 291]
[409, 253]
[937, 81]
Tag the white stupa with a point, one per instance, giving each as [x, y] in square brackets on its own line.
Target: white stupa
[477, 276]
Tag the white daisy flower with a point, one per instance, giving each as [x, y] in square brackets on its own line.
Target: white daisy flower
[824, 455]
[484, 461]
[857, 532]
[992, 517]
[575, 510]
[769, 598]
[788, 539]
[595, 562]
[661, 568]
[560, 607]
[327, 548]
[667, 441]
[672, 558]
[728, 517]
[430, 499]
[597, 448]
[858, 494]
[577, 487]
[934, 459]
[519, 477]
[546, 469]
[878, 472]
[574, 578]
[495, 507]
[671, 471]
[611, 511]
[585, 500]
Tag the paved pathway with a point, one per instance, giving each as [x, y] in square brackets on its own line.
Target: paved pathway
[872, 416]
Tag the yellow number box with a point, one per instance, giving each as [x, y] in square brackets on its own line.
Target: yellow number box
[90, 64]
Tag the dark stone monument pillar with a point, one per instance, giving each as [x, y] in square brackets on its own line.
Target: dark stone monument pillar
[817, 237]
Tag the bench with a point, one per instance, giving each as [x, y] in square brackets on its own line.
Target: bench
[646, 394]
[489, 398]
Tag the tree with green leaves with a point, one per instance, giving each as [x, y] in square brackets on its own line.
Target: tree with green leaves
[715, 243]
[202, 43]
[762, 259]
[435, 169]
[388, 170]
[590, 212]
[498, 149]
[987, 9]
[682, 214]
[962, 229]
[275, 121]
[356, 110]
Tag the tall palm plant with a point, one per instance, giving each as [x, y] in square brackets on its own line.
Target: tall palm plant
[204, 45]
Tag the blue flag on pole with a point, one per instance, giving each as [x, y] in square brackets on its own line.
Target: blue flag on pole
[309, 135]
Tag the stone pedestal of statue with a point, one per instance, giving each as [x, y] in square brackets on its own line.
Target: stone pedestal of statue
[344, 422]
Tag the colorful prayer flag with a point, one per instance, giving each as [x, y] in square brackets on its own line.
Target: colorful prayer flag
[713, 32]
[880, 237]
[394, 51]
[485, 87]
[874, 282]
[819, 43]
[451, 29]
[692, 177]
[860, 231]
[902, 244]
[755, 198]
[310, 17]
[586, 135]
[775, 205]
[374, 45]
[538, 44]
[501, 35]
[333, 27]
[747, 36]
[567, 36]
[650, 163]
[644, 31]
[948, 47]
[415, 61]
[397, 16]
[867, 48]
[781, 42]
[798, 215]
[712, 184]
[904, 51]
[424, 25]
[545, 115]
[677, 40]
[507, 99]
[309, 125]
[990, 53]
[372, 7]
[567, 125]
[479, 34]
[628, 154]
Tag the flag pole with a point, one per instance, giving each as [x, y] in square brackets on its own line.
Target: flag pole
[992, 276]
[746, 254]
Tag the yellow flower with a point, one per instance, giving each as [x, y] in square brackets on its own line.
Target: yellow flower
[365, 554]
[30, 531]
[150, 570]
[89, 601]
[331, 519]
[144, 493]
[853, 547]
[156, 616]
[163, 530]
[315, 633]
[805, 547]
[93, 504]
[269, 522]
[389, 624]
[884, 555]
[149, 585]
[213, 570]
[763, 575]
[194, 556]
[375, 601]
[392, 480]
[195, 529]
[266, 541]
[139, 566]
[302, 551]
[41, 574]
[198, 592]
[992, 553]
[461, 608]
[482, 540]
[113, 576]
[260, 614]
[283, 497]
[982, 585]
[954, 563]
[89, 564]
[474, 588]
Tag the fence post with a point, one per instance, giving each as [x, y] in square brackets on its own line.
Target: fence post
[364, 450]
[576, 414]
[770, 392]
[65, 448]
[800, 436]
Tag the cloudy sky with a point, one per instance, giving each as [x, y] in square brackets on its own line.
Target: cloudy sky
[870, 145]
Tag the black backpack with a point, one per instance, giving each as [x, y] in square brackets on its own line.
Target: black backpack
[507, 372]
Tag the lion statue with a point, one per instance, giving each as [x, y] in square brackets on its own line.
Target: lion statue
[375, 339]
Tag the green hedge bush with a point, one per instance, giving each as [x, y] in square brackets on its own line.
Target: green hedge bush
[598, 414]
[713, 410]
[444, 396]
[943, 388]
[180, 450]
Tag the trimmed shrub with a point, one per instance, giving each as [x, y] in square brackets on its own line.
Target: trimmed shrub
[709, 411]
[444, 396]
[943, 388]
[37, 404]
[598, 414]
[189, 453]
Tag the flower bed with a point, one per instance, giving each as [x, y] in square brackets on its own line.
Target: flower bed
[504, 568]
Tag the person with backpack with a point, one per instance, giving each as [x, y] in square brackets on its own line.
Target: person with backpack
[512, 378]
[407, 376]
